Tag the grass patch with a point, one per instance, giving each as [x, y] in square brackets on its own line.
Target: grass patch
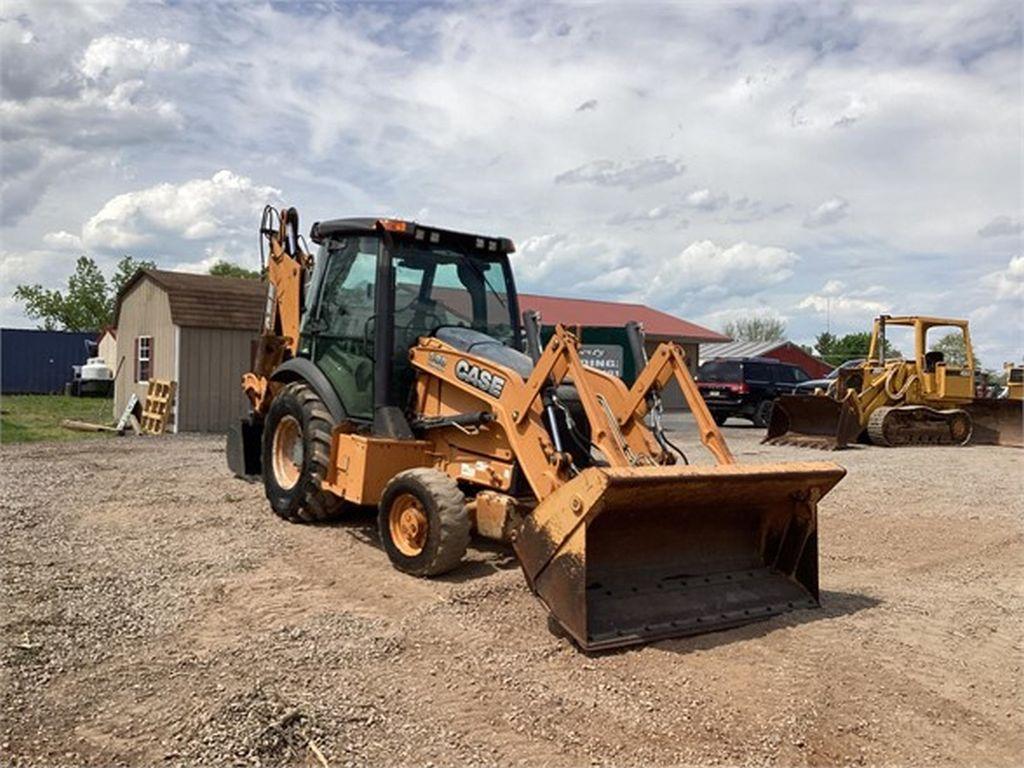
[31, 418]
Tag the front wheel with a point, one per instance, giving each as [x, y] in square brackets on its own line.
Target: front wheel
[423, 522]
[296, 451]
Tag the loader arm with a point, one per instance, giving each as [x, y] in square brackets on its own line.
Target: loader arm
[561, 360]
[668, 362]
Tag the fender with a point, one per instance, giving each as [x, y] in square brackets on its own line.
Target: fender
[301, 368]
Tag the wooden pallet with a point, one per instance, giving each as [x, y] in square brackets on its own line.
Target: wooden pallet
[159, 407]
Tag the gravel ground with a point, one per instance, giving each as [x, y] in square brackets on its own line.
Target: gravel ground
[153, 611]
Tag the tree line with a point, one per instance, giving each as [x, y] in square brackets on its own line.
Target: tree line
[836, 350]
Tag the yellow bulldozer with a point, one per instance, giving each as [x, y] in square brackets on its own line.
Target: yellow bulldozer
[921, 400]
[1014, 381]
[390, 372]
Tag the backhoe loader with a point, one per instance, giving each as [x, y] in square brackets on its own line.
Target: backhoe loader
[389, 372]
[922, 400]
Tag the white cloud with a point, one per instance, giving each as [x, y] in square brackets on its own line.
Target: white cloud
[211, 209]
[63, 241]
[705, 200]
[829, 212]
[1007, 283]
[854, 306]
[1002, 226]
[740, 269]
[649, 215]
[125, 114]
[119, 57]
[631, 175]
[64, 118]
[573, 265]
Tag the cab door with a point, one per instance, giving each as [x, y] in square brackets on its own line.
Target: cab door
[339, 332]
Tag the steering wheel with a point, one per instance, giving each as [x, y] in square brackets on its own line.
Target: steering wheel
[433, 319]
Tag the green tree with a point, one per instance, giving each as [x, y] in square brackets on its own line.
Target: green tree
[758, 328]
[824, 344]
[954, 349]
[227, 269]
[87, 304]
[123, 272]
[853, 346]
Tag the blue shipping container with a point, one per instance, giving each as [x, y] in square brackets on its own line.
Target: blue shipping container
[39, 362]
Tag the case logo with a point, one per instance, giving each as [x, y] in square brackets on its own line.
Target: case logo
[436, 360]
[487, 382]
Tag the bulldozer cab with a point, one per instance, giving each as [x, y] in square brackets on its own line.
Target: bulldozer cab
[940, 379]
[379, 285]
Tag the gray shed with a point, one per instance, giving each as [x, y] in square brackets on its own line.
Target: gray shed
[195, 330]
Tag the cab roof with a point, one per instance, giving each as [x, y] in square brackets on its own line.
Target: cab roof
[399, 228]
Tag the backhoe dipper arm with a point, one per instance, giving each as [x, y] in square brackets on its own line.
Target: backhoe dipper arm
[285, 273]
[669, 361]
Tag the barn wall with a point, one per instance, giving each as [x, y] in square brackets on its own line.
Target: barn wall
[811, 365]
[212, 362]
[144, 311]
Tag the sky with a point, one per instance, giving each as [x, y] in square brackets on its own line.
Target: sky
[821, 163]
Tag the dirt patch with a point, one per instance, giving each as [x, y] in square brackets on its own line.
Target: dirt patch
[154, 610]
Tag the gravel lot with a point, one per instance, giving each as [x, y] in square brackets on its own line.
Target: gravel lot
[153, 610]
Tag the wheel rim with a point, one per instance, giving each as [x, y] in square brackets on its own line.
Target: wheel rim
[407, 522]
[288, 452]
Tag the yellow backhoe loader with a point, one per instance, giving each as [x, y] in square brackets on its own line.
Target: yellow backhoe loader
[389, 373]
[922, 400]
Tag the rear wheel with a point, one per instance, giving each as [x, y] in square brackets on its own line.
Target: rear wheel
[720, 418]
[423, 522]
[763, 413]
[296, 450]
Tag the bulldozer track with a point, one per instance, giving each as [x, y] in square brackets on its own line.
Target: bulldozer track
[919, 425]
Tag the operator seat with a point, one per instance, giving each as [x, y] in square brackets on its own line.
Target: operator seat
[487, 347]
[932, 359]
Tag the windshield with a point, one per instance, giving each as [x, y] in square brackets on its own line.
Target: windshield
[437, 285]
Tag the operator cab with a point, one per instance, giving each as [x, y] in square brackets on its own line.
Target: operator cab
[378, 285]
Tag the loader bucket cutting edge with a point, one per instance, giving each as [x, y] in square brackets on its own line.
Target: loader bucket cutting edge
[624, 556]
[812, 421]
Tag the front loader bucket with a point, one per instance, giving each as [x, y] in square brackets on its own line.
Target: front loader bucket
[997, 422]
[629, 555]
[812, 421]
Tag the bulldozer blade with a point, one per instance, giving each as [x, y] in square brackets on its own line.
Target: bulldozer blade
[812, 421]
[997, 422]
[629, 555]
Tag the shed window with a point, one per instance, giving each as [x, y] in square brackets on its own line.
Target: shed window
[143, 358]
